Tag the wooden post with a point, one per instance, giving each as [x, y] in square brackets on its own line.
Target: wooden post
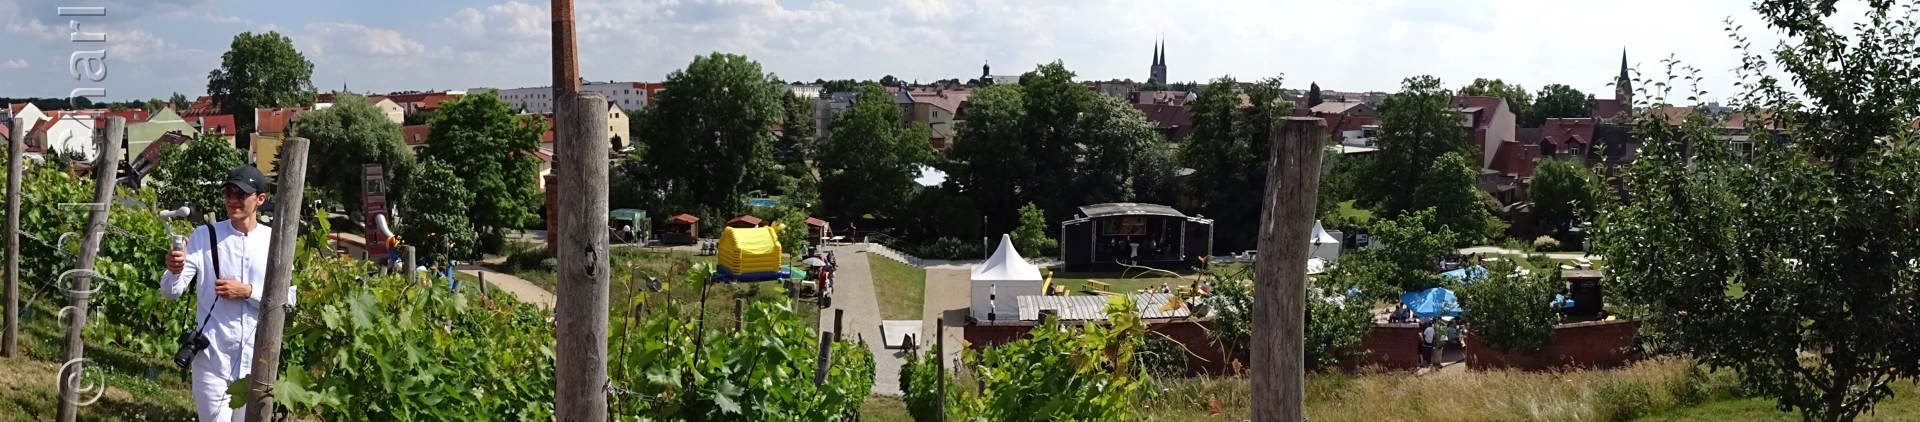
[413, 276]
[739, 308]
[10, 342]
[1279, 304]
[838, 315]
[940, 365]
[105, 172]
[826, 357]
[581, 307]
[273, 312]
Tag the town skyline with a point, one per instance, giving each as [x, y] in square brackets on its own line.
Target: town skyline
[157, 49]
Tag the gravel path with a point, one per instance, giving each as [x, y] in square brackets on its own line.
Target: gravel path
[853, 292]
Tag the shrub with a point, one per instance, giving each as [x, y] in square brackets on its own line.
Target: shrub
[1510, 312]
[1163, 357]
[1060, 372]
[919, 380]
[1333, 334]
[1621, 400]
[1546, 243]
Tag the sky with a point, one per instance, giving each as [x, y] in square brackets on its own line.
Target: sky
[159, 47]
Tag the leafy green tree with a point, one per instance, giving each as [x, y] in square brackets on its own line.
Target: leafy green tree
[1795, 266]
[1228, 153]
[260, 71]
[179, 102]
[1563, 192]
[1518, 100]
[889, 80]
[1054, 105]
[989, 161]
[1418, 125]
[492, 148]
[436, 208]
[1333, 333]
[1555, 101]
[191, 174]
[345, 136]
[1125, 157]
[1030, 237]
[1512, 313]
[920, 384]
[1447, 188]
[708, 135]
[1412, 246]
[154, 105]
[1313, 94]
[869, 160]
[796, 149]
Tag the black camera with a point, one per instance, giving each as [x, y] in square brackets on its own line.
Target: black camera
[191, 343]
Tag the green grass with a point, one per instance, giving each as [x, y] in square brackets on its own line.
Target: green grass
[884, 409]
[1358, 215]
[28, 390]
[1904, 406]
[901, 288]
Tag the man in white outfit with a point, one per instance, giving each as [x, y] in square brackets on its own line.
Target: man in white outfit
[228, 302]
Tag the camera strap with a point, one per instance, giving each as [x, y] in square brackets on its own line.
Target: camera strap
[213, 249]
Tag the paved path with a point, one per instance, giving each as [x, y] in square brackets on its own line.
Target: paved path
[853, 292]
[948, 294]
[525, 290]
[1495, 250]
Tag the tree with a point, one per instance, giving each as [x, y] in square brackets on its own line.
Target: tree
[1125, 157]
[154, 105]
[1313, 94]
[1513, 313]
[1417, 125]
[1333, 331]
[1793, 266]
[1563, 192]
[889, 81]
[796, 148]
[989, 161]
[1517, 97]
[345, 136]
[1228, 153]
[179, 102]
[1030, 237]
[493, 148]
[1054, 105]
[437, 206]
[708, 134]
[1412, 246]
[1447, 189]
[260, 71]
[871, 157]
[192, 173]
[1559, 101]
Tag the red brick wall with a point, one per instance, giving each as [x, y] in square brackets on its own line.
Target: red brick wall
[1597, 344]
[1391, 346]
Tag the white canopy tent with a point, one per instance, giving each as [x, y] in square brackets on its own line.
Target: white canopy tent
[1323, 245]
[1000, 279]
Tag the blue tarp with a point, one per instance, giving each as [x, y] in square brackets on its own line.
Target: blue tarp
[721, 272]
[1465, 274]
[1432, 302]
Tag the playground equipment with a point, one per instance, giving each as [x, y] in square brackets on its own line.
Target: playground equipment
[750, 254]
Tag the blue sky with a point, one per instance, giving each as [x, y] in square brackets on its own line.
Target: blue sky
[157, 47]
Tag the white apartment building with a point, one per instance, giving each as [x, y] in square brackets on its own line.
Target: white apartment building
[539, 99]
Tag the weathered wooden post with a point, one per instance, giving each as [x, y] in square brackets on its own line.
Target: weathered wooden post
[838, 315]
[826, 357]
[105, 172]
[581, 306]
[273, 312]
[1279, 307]
[413, 275]
[739, 307]
[940, 364]
[10, 341]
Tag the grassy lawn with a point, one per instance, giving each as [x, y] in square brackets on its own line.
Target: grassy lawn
[1360, 215]
[1655, 390]
[28, 391]
[884, 409]
[901, 288]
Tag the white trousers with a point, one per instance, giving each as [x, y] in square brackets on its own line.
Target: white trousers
[210, 397]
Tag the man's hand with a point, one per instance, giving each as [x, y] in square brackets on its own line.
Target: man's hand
[176, 261]
[232, 289]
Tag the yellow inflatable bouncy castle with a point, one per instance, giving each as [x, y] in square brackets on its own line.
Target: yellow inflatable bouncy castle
[750, 254]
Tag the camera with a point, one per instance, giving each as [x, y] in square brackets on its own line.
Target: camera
[191, 343]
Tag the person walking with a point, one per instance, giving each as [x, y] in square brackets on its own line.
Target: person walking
[228, 259]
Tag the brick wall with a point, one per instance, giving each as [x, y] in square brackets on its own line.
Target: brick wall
[1392, 347]
[1596, 344]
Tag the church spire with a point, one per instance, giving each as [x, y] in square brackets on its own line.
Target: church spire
[1623, 87]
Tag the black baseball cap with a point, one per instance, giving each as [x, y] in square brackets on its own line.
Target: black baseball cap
[248, 179]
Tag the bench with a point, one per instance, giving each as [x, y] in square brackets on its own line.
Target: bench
[1103, 292]
[1099, 284]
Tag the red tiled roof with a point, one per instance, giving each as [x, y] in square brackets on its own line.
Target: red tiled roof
[949, 99]
[683, 218]
[816, 222]
[275, 121]
[202, 105]
[218, 124]
[747, 219]
[414, 134]
[1561, 131]
[1173, 121]
[1491, 104]
[14, 108]
[1606, 109]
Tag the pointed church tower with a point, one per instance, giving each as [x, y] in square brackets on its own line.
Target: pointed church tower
[1623, 87]
[1157, 75]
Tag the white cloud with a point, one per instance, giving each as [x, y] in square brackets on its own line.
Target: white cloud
[324, 39]
[16, 64]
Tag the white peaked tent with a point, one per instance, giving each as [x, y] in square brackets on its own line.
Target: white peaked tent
[1324, 245]
[1000, 279]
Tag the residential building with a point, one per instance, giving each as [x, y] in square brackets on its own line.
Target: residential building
[216, 124]
[539, 99]
[1179, 98]
[1174, 121]
[270, 129]
[394, 112]
[202, 105]
[1488, 122]
[67, 132]
[1567, 138]
[162, 123]
[808, 91]
[1347, 121]
[938, 109]
[619, 130]
[25, 111]
[415, 136]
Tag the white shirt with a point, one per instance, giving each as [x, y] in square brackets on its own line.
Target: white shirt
[243, 257]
